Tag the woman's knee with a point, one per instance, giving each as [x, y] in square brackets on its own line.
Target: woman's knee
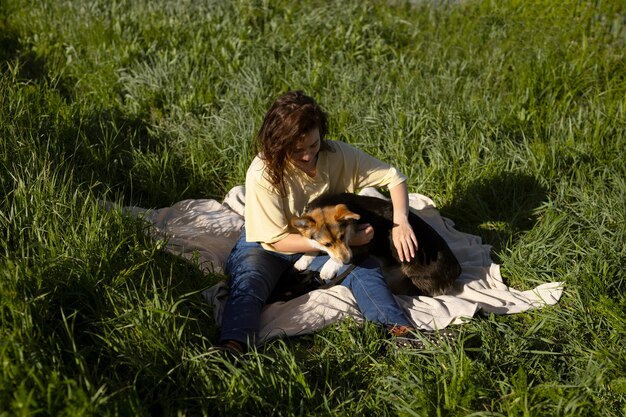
[255, 272]
[239, 254]
[252, 283]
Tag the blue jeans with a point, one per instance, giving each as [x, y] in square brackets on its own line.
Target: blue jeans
[255, 271]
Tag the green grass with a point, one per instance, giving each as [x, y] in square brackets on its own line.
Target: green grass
[510, 115]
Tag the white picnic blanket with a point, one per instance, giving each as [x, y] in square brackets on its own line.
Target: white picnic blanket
[206, 230]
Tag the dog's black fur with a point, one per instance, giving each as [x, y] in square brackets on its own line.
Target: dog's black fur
[434, 268]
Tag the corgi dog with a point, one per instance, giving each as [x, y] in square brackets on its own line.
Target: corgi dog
[330, 221]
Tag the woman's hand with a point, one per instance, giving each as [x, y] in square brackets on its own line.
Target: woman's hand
[404, 239]
[364, 234]
[402, 234]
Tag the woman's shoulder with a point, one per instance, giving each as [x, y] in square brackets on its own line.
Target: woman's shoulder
[257, 173]
[257, 163]
[337, 146]
[341, 150]
[256, 167]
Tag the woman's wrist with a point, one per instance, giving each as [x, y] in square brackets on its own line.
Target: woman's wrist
[400, 218]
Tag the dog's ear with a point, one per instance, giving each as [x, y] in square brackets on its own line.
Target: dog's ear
[342, 214]
[303, 223]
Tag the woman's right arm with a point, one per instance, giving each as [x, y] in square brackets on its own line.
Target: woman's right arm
[294, 242]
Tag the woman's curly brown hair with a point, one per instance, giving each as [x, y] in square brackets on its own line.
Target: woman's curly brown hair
[291, 117]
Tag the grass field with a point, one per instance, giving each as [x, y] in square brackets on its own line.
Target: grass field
[509, 114]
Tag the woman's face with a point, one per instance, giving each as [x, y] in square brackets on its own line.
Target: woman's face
[304, 153]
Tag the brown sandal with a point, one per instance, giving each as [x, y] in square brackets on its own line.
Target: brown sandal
[407, 337]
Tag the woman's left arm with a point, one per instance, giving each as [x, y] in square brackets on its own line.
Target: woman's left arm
[402, 233]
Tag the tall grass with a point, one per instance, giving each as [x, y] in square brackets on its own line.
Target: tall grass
[510, 115]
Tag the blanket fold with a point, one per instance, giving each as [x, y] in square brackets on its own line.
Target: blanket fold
[206, 230]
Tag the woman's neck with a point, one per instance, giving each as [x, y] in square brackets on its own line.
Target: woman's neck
[309, 169]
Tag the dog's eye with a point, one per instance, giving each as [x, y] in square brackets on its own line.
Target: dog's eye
[328, 245]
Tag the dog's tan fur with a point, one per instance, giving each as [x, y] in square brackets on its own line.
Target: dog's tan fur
[329, 229]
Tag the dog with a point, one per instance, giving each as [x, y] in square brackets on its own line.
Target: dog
[331, 220]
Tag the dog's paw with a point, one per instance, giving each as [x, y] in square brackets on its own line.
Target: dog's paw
[330, 269]
[304, 262]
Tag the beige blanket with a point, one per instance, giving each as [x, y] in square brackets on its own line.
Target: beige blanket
[207, 230]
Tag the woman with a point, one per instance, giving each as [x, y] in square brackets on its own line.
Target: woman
[296, 164]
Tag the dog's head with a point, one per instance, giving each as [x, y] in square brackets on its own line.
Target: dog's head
[329, 229]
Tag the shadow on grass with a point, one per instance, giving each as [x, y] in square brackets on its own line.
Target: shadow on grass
[117, 155]
[9, 44]
[127, 323]
[31, 66]
[497, 208]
